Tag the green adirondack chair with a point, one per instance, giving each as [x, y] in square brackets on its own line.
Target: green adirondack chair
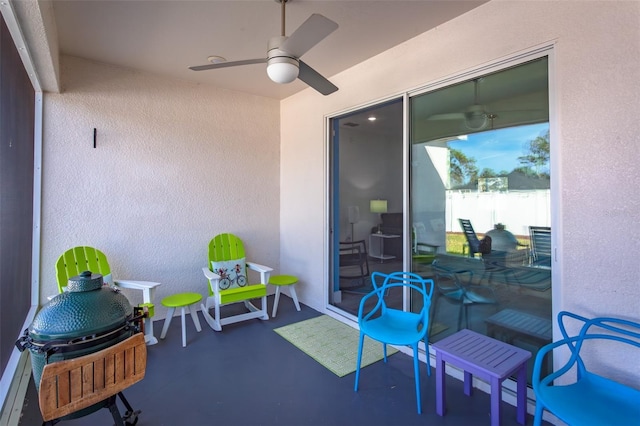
[229, 282]
[83, 258]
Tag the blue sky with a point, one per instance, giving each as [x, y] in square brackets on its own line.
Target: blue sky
[499, 149]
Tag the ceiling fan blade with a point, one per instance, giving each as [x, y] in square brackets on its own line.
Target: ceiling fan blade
[530, 111]
[315, 80]
[311, 32]
[228, 64]
[448, 116]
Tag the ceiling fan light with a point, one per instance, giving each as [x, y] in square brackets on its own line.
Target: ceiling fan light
[282, 70]
[476, 120]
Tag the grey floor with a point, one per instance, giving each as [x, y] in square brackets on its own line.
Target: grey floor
[249, 375]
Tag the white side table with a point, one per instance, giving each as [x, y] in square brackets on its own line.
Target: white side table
[376, 246]
[148, 294]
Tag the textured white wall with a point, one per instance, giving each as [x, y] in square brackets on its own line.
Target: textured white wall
[597, 145]
[176, 163]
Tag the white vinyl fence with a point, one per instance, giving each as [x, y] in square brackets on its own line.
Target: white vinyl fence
[517, 210]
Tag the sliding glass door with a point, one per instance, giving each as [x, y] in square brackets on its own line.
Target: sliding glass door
[480, 202]
[478, 199]
[366, 169]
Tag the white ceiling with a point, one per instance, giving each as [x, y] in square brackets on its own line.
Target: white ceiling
[166, 37]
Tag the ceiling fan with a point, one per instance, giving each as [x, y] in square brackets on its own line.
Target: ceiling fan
[475, 116]
[283, 53]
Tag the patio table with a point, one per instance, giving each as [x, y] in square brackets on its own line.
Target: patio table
[487, 358]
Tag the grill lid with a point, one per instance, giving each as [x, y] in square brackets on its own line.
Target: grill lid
[87, 308]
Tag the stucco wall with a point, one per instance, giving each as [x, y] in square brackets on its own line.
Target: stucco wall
[595, 136]
[175, 164]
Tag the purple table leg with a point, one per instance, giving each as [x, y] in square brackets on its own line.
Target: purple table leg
[440, 385]
[496, 397]
[468, 383]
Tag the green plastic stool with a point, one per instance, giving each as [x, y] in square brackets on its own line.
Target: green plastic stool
[182, 301]
[280, 281]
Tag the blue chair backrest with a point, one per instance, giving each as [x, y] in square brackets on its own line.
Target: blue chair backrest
[603, 328]
[382, 283]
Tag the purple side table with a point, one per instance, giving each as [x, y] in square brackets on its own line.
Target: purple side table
[487, 358]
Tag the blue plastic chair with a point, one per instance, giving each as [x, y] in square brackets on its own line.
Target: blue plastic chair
[393, 326]
[589, 398]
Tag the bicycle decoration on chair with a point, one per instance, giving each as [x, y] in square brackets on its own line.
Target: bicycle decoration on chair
[226, 279]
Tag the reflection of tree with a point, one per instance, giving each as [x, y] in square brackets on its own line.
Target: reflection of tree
[462, 169]
[534, 164]
[487, 173]
[536, 157]
[493, 184]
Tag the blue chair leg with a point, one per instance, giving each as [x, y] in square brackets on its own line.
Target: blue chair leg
[384, 351]
[360, 343]
[416, 372]
[537, 419]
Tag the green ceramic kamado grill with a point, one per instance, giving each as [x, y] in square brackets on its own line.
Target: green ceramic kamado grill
[87, 318]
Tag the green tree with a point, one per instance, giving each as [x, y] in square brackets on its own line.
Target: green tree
[487, 173]
[462, 169]
[524, 170]
[536, 155]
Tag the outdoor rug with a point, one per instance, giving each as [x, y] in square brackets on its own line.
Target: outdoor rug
[332, 343]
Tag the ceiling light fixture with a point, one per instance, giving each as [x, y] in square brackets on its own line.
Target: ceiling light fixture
[476, 117]
[372, 118]
[214, 59]
[282, 69]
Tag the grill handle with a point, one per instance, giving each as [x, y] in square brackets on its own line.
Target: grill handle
[53, 346]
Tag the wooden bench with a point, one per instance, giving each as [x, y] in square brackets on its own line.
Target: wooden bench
[77, 383]
[487, 358]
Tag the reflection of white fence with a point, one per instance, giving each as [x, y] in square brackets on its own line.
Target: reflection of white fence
[517, 210]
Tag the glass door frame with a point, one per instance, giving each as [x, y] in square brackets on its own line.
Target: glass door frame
[501, 64]
[333, 193]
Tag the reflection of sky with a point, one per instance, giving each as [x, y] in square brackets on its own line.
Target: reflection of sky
[499, 149]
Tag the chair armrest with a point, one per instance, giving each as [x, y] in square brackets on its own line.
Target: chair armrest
[263, 270]
[537, 380]
[214, 280]
[210, 275]
[136, 285]
[148, 288]
[258, 267]
[364, 316]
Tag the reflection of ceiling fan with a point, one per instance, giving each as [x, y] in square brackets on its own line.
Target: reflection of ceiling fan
[283, 53]
[475, 116]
